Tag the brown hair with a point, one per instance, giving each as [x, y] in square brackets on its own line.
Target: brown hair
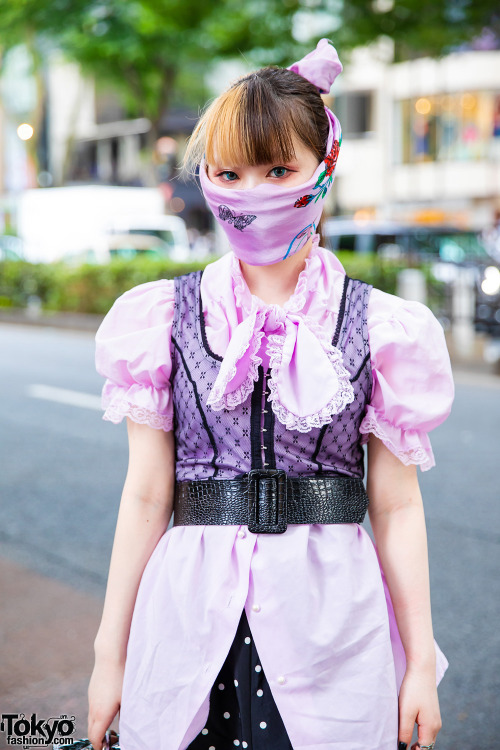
[255, 120]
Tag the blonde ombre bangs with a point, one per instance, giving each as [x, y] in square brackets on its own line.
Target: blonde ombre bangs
[244, 126]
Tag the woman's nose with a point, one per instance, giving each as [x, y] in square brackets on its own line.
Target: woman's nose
[249, 181]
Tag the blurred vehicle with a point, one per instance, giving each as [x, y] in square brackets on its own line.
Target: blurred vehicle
[487, 318]
[448, 249]
[58, 222]
[152, 236]
[11, 248]
[415, 242]
[127, 246]
[147, 237]
[491, 239]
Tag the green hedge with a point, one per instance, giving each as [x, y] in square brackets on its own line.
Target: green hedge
[93, 288]
[87, 288]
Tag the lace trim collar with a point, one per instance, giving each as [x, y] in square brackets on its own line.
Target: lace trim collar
[309, 382]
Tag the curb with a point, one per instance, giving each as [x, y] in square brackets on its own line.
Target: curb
[65, 320]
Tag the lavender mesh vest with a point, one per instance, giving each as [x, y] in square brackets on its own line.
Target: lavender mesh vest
[224, 444]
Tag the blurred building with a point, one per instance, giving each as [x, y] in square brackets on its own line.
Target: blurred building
[86, 137]
[93, 140]
[421, 139]
[17, 99]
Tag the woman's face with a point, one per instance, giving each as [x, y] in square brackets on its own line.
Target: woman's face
[295, 172]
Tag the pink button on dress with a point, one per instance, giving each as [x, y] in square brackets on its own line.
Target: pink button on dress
[317, 603]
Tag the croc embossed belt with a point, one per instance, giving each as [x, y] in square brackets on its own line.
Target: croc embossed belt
[267, 500]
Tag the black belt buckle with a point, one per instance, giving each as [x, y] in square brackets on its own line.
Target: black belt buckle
[267, 506]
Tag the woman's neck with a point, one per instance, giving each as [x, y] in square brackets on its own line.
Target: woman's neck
[275, 284]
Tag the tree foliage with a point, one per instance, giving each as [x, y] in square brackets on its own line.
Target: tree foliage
[156, 52]
[153, 52]
[417, 27]
[142, 47]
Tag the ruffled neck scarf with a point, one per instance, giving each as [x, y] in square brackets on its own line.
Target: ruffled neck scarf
[309, 383]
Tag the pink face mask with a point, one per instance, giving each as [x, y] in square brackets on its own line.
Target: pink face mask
[268, 223]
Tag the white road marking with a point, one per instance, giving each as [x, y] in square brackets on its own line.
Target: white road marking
[65, 396]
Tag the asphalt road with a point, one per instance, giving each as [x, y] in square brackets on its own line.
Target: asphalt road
[62, 470]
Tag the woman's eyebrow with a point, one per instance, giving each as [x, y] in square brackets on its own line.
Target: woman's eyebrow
[222, 167]
[291, 160]
[226, 166]
[277, 161]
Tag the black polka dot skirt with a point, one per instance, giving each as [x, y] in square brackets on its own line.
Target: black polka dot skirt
[242, 711]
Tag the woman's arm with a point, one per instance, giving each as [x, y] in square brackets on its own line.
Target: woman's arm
[397, 518]
[145, 510]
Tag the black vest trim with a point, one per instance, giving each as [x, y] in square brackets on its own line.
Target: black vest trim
[343, 311]
[336, 335]
[269, 421]
[362, 366]
[200, 408]
[319, 441]
[202, 330]
[340, 318]
[255, 416]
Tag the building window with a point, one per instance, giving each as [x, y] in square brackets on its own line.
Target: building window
[449, 127]
[354, 111]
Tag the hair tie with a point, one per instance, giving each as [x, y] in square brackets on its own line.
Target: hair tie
[320, 67]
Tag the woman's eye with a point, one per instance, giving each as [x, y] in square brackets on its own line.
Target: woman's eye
[228, 176]
[279, 171]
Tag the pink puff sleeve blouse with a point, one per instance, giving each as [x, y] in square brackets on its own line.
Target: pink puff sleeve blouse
[412, 384]
[133, 354]
[317, 603]
[412, 381]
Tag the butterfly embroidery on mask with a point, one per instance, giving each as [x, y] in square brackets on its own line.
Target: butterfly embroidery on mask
[240, 222]
[330, 164]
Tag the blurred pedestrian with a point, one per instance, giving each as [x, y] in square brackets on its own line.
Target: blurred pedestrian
[266, 617]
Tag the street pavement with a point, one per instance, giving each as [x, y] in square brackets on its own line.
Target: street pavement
[62, 470]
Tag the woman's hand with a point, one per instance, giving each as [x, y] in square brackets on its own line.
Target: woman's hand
[104, 694]
[418, 703]
[145, 510]
[398, 523]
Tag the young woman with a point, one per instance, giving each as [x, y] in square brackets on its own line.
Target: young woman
[265, 617]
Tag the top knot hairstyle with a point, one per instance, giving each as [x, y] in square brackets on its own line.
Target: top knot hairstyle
[255, 120]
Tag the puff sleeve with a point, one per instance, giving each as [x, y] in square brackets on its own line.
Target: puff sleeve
[133, 354]
[413, 386]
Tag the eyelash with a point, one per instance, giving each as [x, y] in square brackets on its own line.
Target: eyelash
[228, 171]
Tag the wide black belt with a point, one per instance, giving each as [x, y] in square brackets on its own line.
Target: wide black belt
[268, 499]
